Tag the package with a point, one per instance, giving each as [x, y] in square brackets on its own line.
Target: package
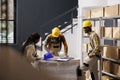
[116, 32]
[107, 78]
[111, 11]
[106, 66]
[87, 13]
[115, 69]
[108, 32]
[111, 52]
[97, 12]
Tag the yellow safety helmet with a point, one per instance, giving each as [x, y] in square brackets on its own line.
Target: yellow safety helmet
[55, 32]
[87, 23]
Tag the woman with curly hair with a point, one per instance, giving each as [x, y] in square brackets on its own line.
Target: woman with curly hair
[29, 47]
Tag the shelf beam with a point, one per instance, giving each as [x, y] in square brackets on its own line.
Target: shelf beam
[111, 75]
[112, 60]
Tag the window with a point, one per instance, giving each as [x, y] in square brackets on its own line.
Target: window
[7, 21]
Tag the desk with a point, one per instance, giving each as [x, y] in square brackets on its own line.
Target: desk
[61, 70]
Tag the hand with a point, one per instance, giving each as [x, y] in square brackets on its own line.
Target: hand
[90, 51]
[98, 55]
[66, 55]
[90, 55]
[38, 58]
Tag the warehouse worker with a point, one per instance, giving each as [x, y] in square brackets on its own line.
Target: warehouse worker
[53, 42]
[90, 62]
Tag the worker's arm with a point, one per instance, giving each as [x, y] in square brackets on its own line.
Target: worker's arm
[96, 43]
[65, 46]
[46, 44]
[46, 47]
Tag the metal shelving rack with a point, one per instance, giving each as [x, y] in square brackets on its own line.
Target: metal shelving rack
[115, 23]
[86, 38]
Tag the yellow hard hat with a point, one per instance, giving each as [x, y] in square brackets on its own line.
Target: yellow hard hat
[55, 32]
[86, 23]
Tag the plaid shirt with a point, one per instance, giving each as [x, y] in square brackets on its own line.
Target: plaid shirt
[94, 43]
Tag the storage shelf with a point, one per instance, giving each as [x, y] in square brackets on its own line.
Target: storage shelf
[112, 60]
[103, 18]
[94, 19]
[106, 41]
[111, 75]
[85, 36]
[115, 17]
[110, 38]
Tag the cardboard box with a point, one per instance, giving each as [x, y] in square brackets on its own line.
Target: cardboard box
[111, 52]
[111, 11]
[106, 66]
[116, 32]
[107, 78]
[115, 69]
[108, 32]
[87, 13]
[97, 12]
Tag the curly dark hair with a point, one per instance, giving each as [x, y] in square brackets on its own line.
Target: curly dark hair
[33, 38]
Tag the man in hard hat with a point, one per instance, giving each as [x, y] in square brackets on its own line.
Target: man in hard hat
[53, 42]
[90, 62]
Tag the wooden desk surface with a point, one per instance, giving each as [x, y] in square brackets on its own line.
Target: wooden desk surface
[61, 70]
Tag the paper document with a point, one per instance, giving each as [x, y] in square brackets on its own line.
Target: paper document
[64, 59]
